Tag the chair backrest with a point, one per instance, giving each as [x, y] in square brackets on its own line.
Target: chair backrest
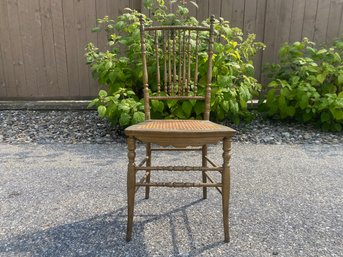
[174, 53]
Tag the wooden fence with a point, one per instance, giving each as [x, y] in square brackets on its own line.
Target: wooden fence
[42, 41]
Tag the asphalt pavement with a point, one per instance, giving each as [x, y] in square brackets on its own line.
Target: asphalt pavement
[70, 200]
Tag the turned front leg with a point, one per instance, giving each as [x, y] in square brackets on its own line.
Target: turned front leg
[226, 186]
[131, 185]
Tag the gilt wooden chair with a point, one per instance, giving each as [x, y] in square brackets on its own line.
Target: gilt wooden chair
[175, 54]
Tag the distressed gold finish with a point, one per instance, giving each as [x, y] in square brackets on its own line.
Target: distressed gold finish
[176, 53]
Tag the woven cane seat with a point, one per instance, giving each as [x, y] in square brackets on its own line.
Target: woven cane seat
[172, 125]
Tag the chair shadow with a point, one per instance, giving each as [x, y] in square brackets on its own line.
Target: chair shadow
[102, 235]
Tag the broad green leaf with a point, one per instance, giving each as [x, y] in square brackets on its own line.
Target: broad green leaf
[125, 119]
[322, 51]
[157, 106]
[243, 104]
[321, 78]
[340, 79]
[171, 103]
[304, 102]
[282, 102]
[124, 107]
[187, 108]
[102, 93]
[337, 113]
[199, 107]
[108, 65]
[220, 113]
[179, 113]
[93, 102]
[102, 111]
[225, 105]
[138, 117]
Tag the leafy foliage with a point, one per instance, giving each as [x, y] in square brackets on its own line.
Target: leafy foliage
[307, 85]
[122, 107]
[120, 67]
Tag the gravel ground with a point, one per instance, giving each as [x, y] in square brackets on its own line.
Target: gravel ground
[72, 127]
[70, 200]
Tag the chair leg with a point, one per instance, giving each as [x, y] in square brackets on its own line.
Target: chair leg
[148, 164]
[226, 186]
[131, 185]
[204, 164]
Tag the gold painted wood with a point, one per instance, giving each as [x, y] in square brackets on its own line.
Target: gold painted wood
[176, 60]
[179, 184]
[226, 186]
[211, 162]
[176, 149]
[180, 168]
[131, 185]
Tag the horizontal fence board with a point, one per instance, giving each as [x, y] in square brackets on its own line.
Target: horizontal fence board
[42, 41]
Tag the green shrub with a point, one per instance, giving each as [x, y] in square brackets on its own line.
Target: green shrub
[307, 85]
[120, 68]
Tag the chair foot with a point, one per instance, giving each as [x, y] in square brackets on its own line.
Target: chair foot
[227, 239]
[204, 193]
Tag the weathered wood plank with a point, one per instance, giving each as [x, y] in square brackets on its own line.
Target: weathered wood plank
[60, 49]
[321, 23]
[31, 37]
[341, 24]
[259, 31]
[238, 13]
[7, 79]
[90, 16]
[3, 89]
[284, 25]
[250, 17]
[270, 30]
[101, 12]
[203, 11]
[135, 4]
[226, 9]
[38, 53]
[309, 19]
[192, 10]
[298, 12]
[334, 20]
[70, 32]
[49, 48]
[81, 38]
[214, 8]
[17, 51]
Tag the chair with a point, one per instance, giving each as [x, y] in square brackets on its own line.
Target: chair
[175, 55]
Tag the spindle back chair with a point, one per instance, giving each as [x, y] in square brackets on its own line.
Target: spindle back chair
[173, 55]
